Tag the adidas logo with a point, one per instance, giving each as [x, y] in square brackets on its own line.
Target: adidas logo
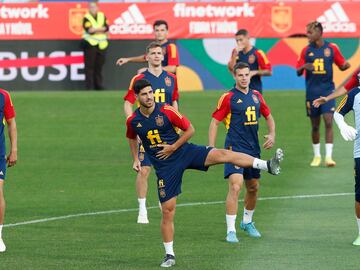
[1, 173]
[335, 20]
[139, 125]
[239, 101]
[132, 22]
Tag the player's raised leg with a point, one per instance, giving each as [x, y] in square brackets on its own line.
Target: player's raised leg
[235, 182]
[167, 231]
[329, 138]
[315, 136]
[220, 156]
[141, 190]
[2, 215]
[247, 224]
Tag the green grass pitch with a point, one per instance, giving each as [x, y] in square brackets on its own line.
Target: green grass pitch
[74, 158]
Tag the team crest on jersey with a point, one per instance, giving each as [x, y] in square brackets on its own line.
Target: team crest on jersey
[159, 120]
[251, 59]
[141, 156]
[167, 81]
[162, 193]
[255, 98]
[327, 52]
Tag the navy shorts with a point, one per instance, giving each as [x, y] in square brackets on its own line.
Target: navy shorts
[2, 168]
[357, 179]
[170, 178]
[248, 173]
[328, 107]
[143, 156]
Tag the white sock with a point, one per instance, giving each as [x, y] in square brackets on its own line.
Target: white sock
[316, 148]
[142, 206]
[260, 164]
[358, 222]
[329, 149]
[1, 226]
[169, 248]
[230, 223]
[247, 217]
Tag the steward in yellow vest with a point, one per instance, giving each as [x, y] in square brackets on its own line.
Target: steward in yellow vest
[94, 43]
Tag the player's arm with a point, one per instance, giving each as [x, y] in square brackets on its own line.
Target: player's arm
[221, 111]
[232, 60]
[133, 143]
[171, 69]
[12, 131]
[213, 129]
[134, 59]
[264, 65]
[173, 58]
[265, 111]
[180, 122]
[347, 132]
[9, 115]
[175, 105]
[337, 93]
[339, 59]
[350, 84]
[302, 65]
[270, 137]
[128, 108]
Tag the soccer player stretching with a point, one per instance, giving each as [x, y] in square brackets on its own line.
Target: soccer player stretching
[7, 113]
[171, 154]
[352, 102]
[240, 109]
[165, 91]
[316, 60]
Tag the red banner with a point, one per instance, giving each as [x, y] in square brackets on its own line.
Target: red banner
[55, 21]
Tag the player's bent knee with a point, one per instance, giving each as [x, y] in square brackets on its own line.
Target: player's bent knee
[235, 188]
[145, 171]
[315, 129]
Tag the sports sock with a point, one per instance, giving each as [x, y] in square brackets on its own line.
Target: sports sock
[316, 148]
[142, 206]
[230, 223]
[169, 248]
[247, 217]
[260, 164]
[329, 149]
[358, 223]
[1, 226]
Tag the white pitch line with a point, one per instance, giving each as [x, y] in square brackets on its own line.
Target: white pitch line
[178, 205]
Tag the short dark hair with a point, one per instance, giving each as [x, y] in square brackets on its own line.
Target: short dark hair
[240, 65]
[152, 45]
[160, 22]
[315, 25]
[242, 32]
[140, 85]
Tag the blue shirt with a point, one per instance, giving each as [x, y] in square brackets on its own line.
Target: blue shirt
[240, 113]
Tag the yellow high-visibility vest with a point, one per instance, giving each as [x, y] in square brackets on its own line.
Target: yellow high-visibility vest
[96, 39]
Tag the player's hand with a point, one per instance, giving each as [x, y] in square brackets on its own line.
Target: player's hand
[270, 141]
[137, 165]
[11, 159]
[348, 133]
[309, 66]
[319, 101]
[253, 73]
[166, 152]
[122, 61]
[141, 70]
